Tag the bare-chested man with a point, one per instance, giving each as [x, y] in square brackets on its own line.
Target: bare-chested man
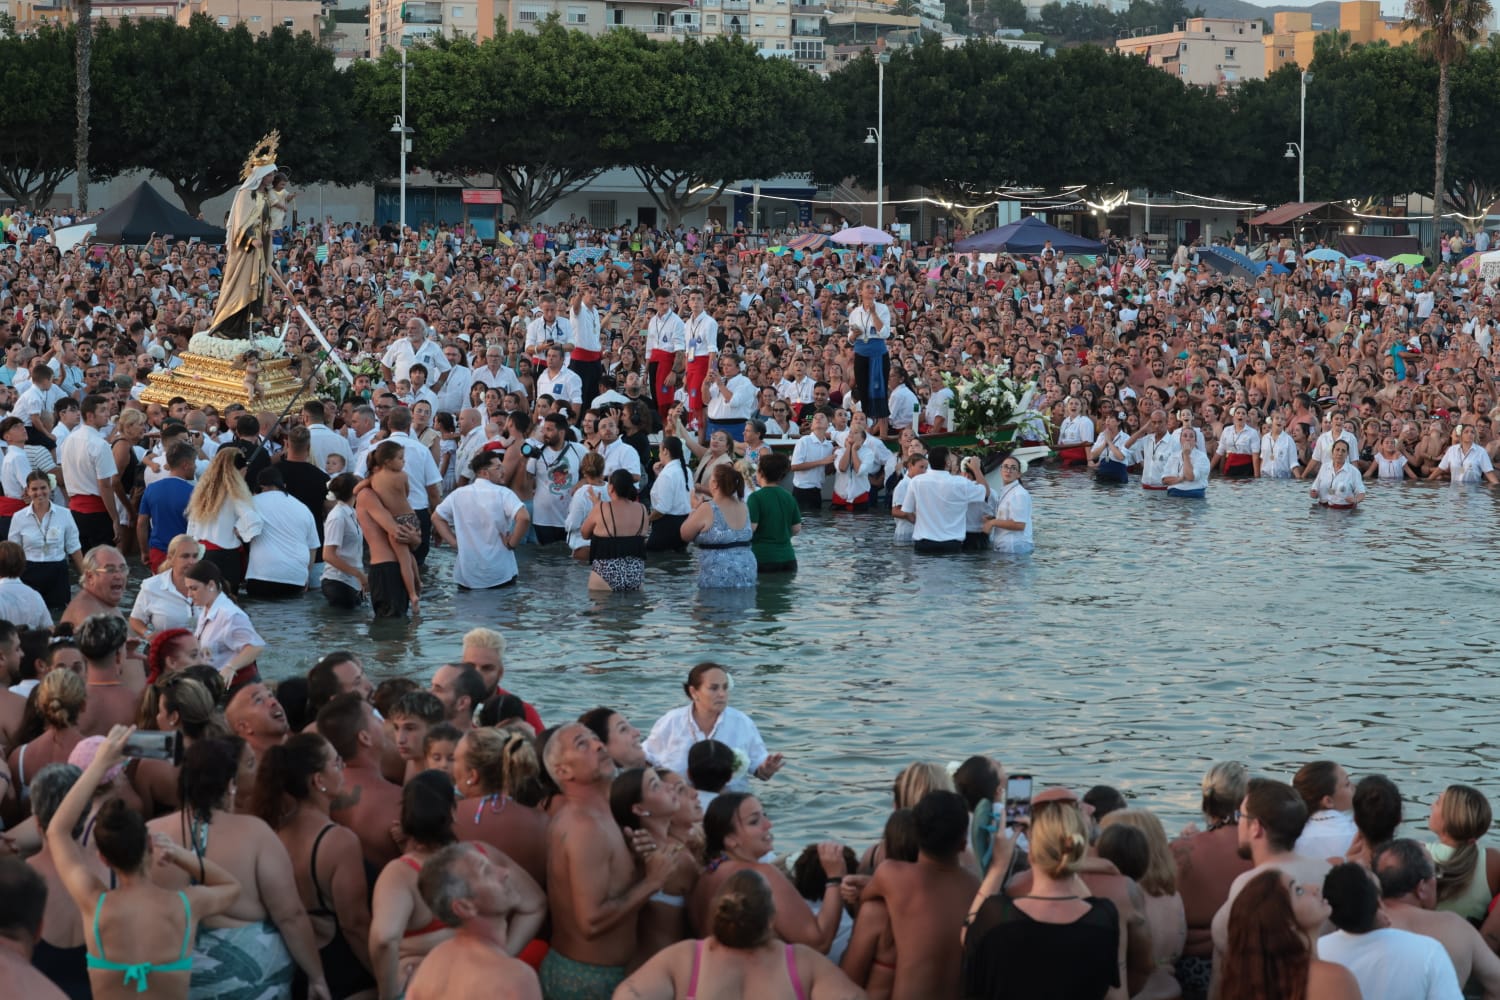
[12, 705]
[101, 589]
[369, 805]
[922, 903]
[255, 716]
[388, 595]
[1408, 890]
[466, 890]
[593, 887]
[114, 690]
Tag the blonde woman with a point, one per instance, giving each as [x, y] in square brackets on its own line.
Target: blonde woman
[60, 698]
[221, 515]
[1468, 873]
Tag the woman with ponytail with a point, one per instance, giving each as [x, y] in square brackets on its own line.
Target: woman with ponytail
[178, 703]
[294, 785]
[671, 498]
[1468, 873]
[722, 528]
[59, 699]
[1057, 939]
[171, 650]
[498, 779]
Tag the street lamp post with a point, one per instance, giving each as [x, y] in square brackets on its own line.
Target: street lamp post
[876, 136]
[1298, 149]
[401, 129]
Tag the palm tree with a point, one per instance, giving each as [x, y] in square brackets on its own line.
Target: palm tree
[1448, 28]
[85, 40]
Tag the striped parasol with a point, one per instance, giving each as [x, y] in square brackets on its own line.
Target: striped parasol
[807, 241]
[579, 255]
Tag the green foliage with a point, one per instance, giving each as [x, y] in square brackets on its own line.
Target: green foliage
[36, 153]
[1084, 22]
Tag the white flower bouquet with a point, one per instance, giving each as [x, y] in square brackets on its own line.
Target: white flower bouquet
[221, 349]
[988, 402]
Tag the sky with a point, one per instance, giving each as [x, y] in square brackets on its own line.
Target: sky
[1390, 8]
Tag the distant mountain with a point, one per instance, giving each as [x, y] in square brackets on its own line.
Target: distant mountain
[1326, 14]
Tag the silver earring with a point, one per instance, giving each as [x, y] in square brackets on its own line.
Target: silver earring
[321, 788]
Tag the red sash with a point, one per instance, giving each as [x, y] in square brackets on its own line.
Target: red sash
[211, 547]
[1234, 460]
[86, 503]
[10, 506]
[1337, 506]
[839, 501]
[1077, 454]
[584, 354]
[1144, 486]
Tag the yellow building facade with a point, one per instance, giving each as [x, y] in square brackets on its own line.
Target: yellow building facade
[1291, 38]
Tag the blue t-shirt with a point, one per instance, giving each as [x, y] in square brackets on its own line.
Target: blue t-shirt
[165, 502]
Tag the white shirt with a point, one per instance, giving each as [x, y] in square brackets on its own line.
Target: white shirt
[1278, 456]
[563, 384]
[864, 323]
[940, 500]
[939, 404]
[669, 491]
[86, 458]
[666, 333]
[468, 447]
[1338, 487]
[454, 395]
[421, 469]
[1391, 964]
[559, 332]
[1239, 442]
[556, 472]
[737, 409]
[283, 550]
[902, 534]
[1327, 834]
[578, 512]
[702, 336]
[1075, 430]
[1462, 468]
[14, 469]
[400, 356]
[505, 379]
[1012, 503]
[51, 538]
[480, 514]
[903, 405]
[619, 455]
[810, 449]
[585, 323]
[237, 522]
[1390, 468]
[341, 530]
[22, 606]
[160, 606]
[324, 441]
[1193, 475]
[797, 392]
[34, 401]
[851, 483]
[674, 734]
[224, 631]
[1323, 450]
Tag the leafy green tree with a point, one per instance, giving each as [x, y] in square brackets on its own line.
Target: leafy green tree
[1473, 176]
[1449, 28]
[36, 154]
[1007, 13]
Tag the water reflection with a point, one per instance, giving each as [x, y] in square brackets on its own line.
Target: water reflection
[1144, 638]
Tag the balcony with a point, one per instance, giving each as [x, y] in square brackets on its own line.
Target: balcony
[422, 13]
[737, 5]
[690, 28]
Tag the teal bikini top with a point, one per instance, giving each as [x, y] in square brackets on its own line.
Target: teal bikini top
[138, 972]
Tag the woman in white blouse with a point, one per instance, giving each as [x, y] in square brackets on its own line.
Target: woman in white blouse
[224, 632]
[671, 498]
[163, 601]
[1338, 484]
[344, 583]
[707, 716]
[222, 515]
[49, 536]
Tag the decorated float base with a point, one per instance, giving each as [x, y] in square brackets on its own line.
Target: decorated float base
[218, 372]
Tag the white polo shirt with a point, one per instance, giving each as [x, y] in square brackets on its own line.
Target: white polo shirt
[940, 500]
[288, 537]
[480, 514]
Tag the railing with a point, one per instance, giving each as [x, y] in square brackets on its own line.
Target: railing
[736, 4]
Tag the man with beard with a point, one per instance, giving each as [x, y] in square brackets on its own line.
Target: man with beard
[555, 472]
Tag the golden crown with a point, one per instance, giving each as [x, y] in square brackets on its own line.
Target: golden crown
[263, 155]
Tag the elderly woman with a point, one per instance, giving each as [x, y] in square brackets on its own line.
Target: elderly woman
[142, 935]
[737, 835]
[1466, 461]
[1339, 485]
[48, 535]
[1208, 862]
[224, 632]
[266, 929]
[222, 515]
[720, 451]
[707, 716]
[163, 601]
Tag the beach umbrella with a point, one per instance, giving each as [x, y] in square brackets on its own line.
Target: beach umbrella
[1325, 253]
[1469, 263]
[1408, 259]
[1227, 261]
[579, 255]
[863, 236]
[807, 241]
[1367, 258]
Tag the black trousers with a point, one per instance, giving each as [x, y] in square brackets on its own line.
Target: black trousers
[425, 516]
[50, 579]
[809, 498]
[341, 595]
[94, 529]
[588, 374]
[930, 546]
[388, 591]
[666, 534]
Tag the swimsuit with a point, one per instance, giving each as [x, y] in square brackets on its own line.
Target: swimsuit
[138, 971]
[564, 978]
[345, 973]
[620, 560]
[432, 925]
[791, 972]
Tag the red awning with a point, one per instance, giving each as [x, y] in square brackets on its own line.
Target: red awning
[1287, 213]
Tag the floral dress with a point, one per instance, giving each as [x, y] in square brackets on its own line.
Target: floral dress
[724, 556]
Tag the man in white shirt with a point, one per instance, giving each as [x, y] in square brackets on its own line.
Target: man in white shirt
[361, 433]
[325, 441]
[454, 395]
[560, 383]
[422, 477]
[795, 387]
[484, 522]
[497, 375]
[731, 399]
[811, 459]
[1388, 964]
[547, 331]
[88, 467]
[940, 502]
[34, 405]
[396, 363]
[417, 391]
[588, 347]
[666, 340]
[700, 353]
[617, 454]
[282, 555]
[555, 472]
[473, 436]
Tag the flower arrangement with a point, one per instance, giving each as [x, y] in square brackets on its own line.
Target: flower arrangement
[220, 349]
[988, 401]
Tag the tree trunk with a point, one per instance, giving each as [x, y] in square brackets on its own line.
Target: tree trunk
[83, 51]
[1440, 164]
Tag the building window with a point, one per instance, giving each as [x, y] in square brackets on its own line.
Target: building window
[760, 23]
[781, 23]
[287, 22]
[578, 15]
[527, 17]
[601, 213]
[254, 18]
[711, 19]
[223, 20]
[1228, 53]
[458, 13]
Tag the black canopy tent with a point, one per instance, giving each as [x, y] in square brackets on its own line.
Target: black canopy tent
[143, 214]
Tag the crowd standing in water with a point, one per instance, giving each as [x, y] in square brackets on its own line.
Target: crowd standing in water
[427, 838]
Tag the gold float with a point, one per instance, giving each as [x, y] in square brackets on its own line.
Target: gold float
[205, 381]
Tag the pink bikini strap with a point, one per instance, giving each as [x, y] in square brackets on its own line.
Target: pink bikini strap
[692, 990]
[791, 973]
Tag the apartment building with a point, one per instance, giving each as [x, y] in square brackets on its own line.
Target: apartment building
[1205, 51]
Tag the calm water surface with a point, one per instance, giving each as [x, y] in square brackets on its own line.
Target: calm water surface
[1145, 638]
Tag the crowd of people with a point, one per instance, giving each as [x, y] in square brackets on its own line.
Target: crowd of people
[328, 838]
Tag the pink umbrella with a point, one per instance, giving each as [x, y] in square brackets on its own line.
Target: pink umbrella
[863, 236]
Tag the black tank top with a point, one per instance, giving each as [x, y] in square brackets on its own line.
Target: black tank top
[614, 546]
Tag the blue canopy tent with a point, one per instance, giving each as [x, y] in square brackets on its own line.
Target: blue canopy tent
[1234, 264]
[1028, 236]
